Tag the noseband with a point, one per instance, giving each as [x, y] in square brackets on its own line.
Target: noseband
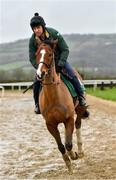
[49, 66]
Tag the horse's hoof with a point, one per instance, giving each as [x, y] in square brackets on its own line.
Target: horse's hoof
[73, 155]
[70, 170]
[80, 155]
[69, 166]
[67, 162]
[76, 156]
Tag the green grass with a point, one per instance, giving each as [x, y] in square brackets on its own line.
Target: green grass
[13, 65]
[107, 93]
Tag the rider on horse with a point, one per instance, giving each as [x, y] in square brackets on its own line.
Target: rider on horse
[41, 33]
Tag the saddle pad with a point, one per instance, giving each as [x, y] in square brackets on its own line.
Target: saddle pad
[69, 86]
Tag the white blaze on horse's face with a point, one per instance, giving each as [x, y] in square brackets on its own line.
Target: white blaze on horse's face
[42, 52]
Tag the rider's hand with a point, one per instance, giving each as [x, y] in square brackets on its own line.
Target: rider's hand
[59, 68]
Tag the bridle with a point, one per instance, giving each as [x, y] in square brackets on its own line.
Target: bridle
[49, 66]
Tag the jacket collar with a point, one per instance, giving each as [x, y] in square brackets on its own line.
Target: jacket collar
[38, 40]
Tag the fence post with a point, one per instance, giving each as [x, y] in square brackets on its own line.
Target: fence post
[111, 84]
[102, 86]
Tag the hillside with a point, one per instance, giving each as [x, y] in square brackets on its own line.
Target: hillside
[89, 52]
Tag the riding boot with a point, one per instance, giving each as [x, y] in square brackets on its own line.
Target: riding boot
[80, 91]
[36, 88]
[37, 109]
[81, 97]
[76, 83]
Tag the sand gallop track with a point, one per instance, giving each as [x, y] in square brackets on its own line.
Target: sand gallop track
[28, 151]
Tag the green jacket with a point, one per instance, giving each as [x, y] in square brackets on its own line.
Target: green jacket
[61, 51]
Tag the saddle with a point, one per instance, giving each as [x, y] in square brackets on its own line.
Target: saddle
[69, 85]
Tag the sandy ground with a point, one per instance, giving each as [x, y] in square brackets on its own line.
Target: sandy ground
[28, 151]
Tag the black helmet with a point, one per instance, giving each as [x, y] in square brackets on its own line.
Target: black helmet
[37, 21]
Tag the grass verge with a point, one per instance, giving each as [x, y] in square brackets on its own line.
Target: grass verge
[107, 93]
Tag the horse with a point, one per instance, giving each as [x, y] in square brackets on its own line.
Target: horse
[57, 105]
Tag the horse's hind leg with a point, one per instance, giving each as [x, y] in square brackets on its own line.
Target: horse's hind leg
[69, 127]
[53, 129]
[79, 138]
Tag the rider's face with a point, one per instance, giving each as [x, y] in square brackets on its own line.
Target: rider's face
[38, 30]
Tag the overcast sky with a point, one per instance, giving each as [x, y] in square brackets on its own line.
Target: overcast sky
[67, 16]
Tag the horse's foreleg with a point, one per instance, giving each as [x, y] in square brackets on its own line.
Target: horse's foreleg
[79, 138]
[69, 127]
[52, 128]
[55, 133]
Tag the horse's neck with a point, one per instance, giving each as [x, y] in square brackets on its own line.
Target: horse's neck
[52, 77]
[51, 82]
[56, 94]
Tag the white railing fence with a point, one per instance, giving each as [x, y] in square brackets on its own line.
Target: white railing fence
[87, 83]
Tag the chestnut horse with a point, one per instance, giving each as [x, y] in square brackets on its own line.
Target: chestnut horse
[56, 104]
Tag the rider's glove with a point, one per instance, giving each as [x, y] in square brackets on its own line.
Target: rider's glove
[59, 68]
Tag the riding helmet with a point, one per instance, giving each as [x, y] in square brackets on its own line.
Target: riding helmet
[37, 21]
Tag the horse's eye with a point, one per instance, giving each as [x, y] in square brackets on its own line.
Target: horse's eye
[50, 55]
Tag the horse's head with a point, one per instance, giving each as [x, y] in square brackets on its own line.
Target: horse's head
[45, 59]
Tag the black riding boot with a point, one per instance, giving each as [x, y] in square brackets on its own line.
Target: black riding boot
[81, 98]
[79, 90]
[36, 88]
